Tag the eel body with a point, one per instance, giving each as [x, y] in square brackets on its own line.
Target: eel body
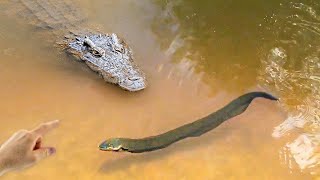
[194, 129]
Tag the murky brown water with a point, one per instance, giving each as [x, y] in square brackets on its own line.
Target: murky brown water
[197, 55]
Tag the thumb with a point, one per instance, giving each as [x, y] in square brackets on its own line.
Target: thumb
[44, 152]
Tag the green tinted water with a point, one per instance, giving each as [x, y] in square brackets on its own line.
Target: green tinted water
[198, 55]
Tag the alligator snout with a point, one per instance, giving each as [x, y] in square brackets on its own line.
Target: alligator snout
[134, 83]
[112, 58]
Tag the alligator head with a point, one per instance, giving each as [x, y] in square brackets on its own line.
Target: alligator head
[111, 57]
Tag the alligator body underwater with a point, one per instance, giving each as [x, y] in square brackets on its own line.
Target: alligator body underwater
[106, 54]
[194, 129]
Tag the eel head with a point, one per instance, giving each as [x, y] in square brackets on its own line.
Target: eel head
[113, 144]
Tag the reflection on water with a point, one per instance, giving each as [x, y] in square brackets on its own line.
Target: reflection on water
[221, 37]
[284, 35]
[198, 55]
[291, 69]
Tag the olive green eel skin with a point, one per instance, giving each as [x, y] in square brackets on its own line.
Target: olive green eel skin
[193, 129]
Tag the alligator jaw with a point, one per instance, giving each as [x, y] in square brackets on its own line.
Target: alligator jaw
[111, 57]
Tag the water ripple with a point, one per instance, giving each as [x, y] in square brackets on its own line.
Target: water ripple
[291, 69]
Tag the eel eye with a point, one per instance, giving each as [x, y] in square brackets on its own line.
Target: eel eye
[111, 146]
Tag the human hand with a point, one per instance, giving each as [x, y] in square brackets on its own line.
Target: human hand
[24, 148]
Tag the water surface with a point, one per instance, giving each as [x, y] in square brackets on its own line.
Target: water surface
[198, 56]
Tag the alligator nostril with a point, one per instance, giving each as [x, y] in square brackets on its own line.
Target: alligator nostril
[134, 78]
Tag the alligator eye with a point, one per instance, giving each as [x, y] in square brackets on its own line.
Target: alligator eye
[85, 44]
[96, 53]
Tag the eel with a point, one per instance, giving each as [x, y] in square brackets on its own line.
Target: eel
[64, 23]
[194, 129]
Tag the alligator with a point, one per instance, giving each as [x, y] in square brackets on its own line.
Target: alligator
[107, 54]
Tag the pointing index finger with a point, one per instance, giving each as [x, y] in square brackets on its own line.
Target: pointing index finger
[44, 128]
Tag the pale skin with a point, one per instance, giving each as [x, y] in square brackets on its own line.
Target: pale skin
[24, 148]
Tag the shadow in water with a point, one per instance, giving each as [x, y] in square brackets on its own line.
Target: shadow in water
[186, 145]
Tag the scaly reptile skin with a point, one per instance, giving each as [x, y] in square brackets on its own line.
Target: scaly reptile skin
[106, 54]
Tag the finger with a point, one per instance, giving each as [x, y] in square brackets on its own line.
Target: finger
[33, 140]
[15, 136]
[37, 144]
[46, 127]
[18, 134]
[44, 152]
